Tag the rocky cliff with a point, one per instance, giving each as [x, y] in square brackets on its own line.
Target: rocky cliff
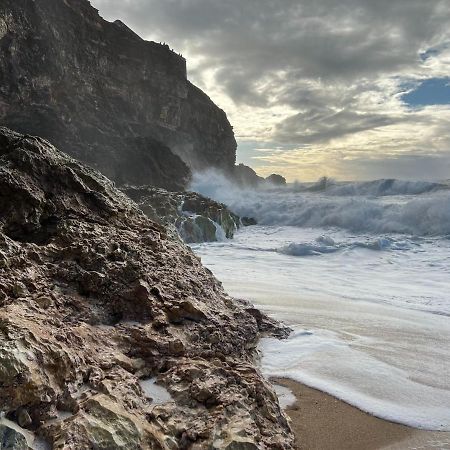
[105, 96]
[112, 334]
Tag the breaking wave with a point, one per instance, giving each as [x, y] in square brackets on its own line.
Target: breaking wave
[413, 208]
[376, 188]
[325, 244]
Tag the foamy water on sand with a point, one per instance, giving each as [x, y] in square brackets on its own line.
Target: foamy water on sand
[365, 285]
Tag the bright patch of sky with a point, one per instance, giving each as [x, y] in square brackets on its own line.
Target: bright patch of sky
[435, 91]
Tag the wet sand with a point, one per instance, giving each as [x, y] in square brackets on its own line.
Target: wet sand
[322, 422]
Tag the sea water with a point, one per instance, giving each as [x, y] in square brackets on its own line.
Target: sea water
[361, 272]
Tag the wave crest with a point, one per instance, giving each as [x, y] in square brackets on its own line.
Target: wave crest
[422, 215]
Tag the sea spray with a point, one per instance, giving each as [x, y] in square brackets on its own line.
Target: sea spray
[424, 213]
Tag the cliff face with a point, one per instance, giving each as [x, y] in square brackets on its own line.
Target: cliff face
[96, 304]
[105, 96]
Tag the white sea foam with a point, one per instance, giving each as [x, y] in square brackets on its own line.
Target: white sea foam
[349, 371]
[371, 313]
[158, 394]
[324, 245]
[426, 214]
[362, 272]
[285, 396]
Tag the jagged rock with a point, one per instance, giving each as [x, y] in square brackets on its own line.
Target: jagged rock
[111, 278]
[105, 96]
[196, 218]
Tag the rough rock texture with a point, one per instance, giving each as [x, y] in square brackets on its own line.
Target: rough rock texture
[100, 93]
[94, 297]
[194, 218]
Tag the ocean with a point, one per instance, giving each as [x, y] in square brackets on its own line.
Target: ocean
[361, 272]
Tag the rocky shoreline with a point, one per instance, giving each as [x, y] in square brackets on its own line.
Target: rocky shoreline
[193, 217]
[96, 299]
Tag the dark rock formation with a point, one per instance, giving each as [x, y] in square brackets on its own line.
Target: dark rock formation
[245, 176]
[276, 180]
[94, 299]
[194, 217]
[105, 96]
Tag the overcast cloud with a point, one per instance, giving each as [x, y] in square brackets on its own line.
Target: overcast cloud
[314, 87]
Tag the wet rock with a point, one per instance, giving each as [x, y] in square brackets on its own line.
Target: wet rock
[195, 218]
[11, 439]
[248, 221]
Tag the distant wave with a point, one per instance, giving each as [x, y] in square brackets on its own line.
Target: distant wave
[414, 214]
[325, 244]
[376, 188]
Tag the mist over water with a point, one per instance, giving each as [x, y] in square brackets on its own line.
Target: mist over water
[361, 271]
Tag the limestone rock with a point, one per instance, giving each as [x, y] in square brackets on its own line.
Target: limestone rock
[97, 298]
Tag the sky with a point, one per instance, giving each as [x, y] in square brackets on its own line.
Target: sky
[350, 89]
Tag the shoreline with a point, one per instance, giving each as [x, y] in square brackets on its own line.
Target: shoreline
[323, 422]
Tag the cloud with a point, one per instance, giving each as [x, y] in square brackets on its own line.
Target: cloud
[315, 73]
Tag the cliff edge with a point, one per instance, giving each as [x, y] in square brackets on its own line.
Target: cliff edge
[105, 96]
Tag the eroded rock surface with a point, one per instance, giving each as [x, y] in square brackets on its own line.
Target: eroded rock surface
[195, 218]
[105, 96]
[94, 298]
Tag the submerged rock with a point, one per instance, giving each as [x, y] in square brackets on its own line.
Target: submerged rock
[196, 218]
[96, 297]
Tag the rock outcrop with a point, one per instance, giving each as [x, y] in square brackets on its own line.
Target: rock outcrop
[276, 180]
[105, 96]
[193, 217]
[245, 176]
[96, 303]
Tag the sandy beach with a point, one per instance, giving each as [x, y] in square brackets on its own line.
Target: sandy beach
[322, 422]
